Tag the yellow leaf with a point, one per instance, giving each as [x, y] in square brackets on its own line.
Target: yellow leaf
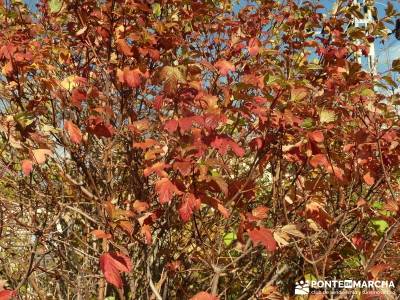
[69, 83]
[327, 116]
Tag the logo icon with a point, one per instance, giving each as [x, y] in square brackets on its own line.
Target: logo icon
[302, 288]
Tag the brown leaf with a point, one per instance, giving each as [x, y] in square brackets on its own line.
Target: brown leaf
[375, 270]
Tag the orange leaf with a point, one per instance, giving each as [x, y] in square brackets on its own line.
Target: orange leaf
[224, 67]
[166, 190]
[264, 236]
[132, 78]
[157, 168]
[145, 145]
[140, 206]
[375, 270]
[254, 46]
[369, 179]
[74, 132]
[27, 166]
[8, 69]
[260, 212]
[100, 234]
[123, 47]
[204, 296]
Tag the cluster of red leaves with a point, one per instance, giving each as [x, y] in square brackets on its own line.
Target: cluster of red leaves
[164, 116]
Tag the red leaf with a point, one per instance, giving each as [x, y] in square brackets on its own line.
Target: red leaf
[204, 296]
[27, 166]
[183, 167]
[369, 179]
[358, 241]
[222, 144]
[319, 160]
[7, 294]
[111, 264]
[264, 236]
[166, 190]
[254, 46]
[316, 136]
[97, 126]
[224, 67]
[189, 205]
[171, 126]
[74, 132]
[77, 97]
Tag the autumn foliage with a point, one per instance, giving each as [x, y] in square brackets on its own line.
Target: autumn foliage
[193, 150]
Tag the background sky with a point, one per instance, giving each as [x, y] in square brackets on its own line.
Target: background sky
[385, 53]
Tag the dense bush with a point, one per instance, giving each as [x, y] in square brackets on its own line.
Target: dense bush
[173, 148]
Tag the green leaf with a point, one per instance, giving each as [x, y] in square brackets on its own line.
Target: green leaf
[229, 238]
[268, 79]
[367, 93]
[307, 123]
[377, 205]
[156, 9]
[310, 277]
[55, 5]
[380, 226]
[353, 261]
